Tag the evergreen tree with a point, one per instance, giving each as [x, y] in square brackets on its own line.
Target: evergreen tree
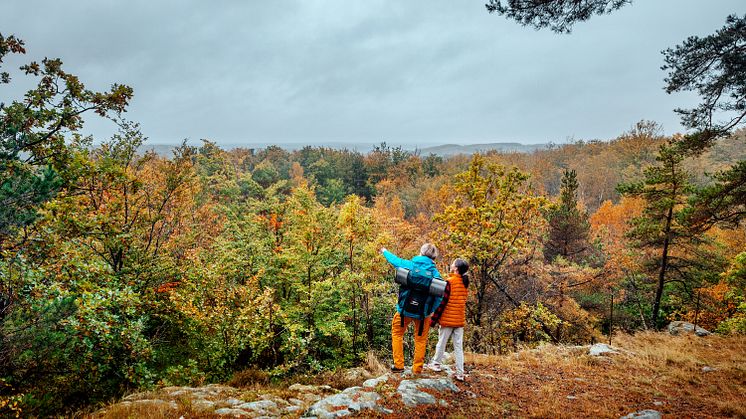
[714, 66]
[558, 15]
[674, 252]
[568, 225]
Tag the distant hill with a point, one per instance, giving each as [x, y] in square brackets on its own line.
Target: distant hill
[453, 149]
[441, 150]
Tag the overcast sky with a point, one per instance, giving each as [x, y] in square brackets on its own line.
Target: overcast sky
[321, 72]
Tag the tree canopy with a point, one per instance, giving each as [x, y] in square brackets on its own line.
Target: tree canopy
[557, 15]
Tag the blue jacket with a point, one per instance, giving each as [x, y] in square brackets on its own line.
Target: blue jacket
[422, 262]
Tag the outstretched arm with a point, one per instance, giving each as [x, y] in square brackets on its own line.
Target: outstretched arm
[396, 260]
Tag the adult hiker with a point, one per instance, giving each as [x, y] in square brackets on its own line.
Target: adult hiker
[451, 315]
[414, 306]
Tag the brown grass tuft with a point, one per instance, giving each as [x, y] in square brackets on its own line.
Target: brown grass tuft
[374, 364]
[249, 377]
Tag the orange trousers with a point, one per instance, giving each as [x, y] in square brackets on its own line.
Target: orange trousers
[420, 341]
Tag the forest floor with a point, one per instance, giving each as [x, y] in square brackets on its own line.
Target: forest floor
[678, 376]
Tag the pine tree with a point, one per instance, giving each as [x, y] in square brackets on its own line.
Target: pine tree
[568, 225]
[676, 252]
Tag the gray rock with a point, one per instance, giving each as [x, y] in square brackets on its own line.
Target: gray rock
[411, 395]
[296, 402]
[599, 349]
[202, 404]
[232, 401]
[302, 388]
[291, 409]
[356, 374]
[134, 396]
[375, 382]
[438, 384]
[232, 412]
[219, 388]
[260, 406]
[679, 327]
[178, 391]
[643, 414]
[444, 368]
[708, 369]
[448, 358]
[353, 399]
[336, 414]
[414, 397]
[310, 397]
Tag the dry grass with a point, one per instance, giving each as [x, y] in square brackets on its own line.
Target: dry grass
[375, 365]
[655, 371]
[152, 412]
[248, 377]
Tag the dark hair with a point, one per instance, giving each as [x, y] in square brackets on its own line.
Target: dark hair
[462, 267]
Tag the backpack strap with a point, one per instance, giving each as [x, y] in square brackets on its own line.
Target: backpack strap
[422, 317]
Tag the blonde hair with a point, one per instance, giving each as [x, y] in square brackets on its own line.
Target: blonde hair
[429, 250]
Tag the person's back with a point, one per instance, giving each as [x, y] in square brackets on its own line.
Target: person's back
[413, 304]
[454, 312]
[405, 314]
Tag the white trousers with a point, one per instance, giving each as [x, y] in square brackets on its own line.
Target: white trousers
[456, 334]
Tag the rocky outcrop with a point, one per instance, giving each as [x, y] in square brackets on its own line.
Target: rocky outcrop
[320, 401]
[351, 400]
[225, 400]
[644, 414]
[599, 349]
[679, 327]
[375, 382]
[412, 394]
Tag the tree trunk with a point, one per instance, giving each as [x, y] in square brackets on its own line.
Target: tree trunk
[664, 267]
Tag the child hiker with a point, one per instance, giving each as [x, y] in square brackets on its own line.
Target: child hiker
[451, 315]
[404, 312]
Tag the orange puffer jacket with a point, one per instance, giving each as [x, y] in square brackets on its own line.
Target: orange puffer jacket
[454, 313]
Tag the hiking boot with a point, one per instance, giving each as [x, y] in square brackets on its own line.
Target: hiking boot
[460, 377]
[434, 367]
[397, 370]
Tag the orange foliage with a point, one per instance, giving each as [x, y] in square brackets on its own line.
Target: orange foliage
[714, 306]
[610, 220]
[733, 240]
[168, 286]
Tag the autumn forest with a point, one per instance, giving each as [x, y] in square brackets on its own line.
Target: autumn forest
[122, 269]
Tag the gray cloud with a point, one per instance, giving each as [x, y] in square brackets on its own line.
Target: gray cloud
[321, 71]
